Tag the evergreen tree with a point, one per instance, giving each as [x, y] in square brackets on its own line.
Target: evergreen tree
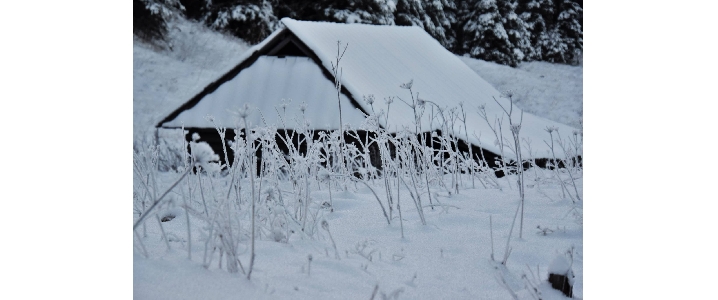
[195, 9]
[537, 14]
[502, 31]
[485, 36]
[342, 11]
[563, 41]
[147, 21]
[516, 29]
[149, 18]
[358, 11]
[409, 13]
[250, 20]
[568, 24]
[440, 15]
[464, 10]
[289, 9]
[434, 16]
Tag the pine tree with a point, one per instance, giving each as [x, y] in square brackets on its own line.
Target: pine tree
[562, 41]
[568, 26]
[342, 11]
[147, 21]
[296, 9]
[251, 20]
[434, 16]
[485, 36]
[195, 9]
[440, 15]
[150, 18]
[409, 13]
[358, 11]
[517, 30]
[537, 14]
[464, 11]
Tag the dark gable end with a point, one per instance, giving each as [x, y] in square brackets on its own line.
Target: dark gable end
[283, 44]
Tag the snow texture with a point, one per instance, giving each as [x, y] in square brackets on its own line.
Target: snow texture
[559, 265]
[203, 153]
[165, 79]
[553, 91]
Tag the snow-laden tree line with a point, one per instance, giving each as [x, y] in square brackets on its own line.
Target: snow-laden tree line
[502, 31]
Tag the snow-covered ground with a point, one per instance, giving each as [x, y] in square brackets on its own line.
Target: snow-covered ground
[449, 258]
[552, 91]
[165, 79]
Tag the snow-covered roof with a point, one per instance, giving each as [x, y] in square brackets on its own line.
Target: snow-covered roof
[265, 86]
[377, 61]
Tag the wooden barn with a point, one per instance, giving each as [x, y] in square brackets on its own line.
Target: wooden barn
[296, 63]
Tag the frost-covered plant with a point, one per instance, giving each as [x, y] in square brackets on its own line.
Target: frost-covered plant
[555, 163]
[471, 165]
[571, 160]
[325, 225]
[515, 131]
[405, 142]
[143, 171]
[243, 113]
[281, 204]
[496, 129]
[337, 74]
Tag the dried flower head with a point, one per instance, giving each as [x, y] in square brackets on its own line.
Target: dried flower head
[515, 128]
[407, 85]
[420, 102]
[285, 103]
[369, 99]
[244, 111]
[325, 225]
[303, 106]
[389, 100]
[507, 94]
